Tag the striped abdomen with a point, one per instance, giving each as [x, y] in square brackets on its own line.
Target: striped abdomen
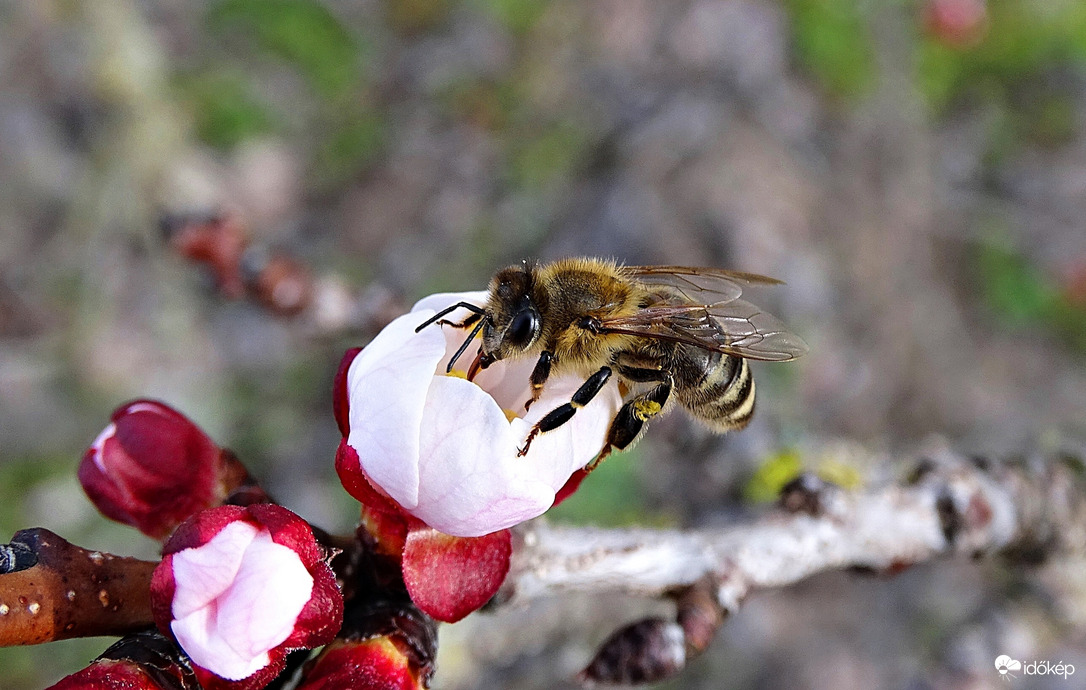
[718, 389]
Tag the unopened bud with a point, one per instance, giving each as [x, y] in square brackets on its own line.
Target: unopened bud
[239, 588]
[152, 468]
[375, 664]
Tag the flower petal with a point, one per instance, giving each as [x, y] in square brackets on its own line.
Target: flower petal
[202, 574]
[460, 465]
[555, 455]
[260, 608]
[387, 384]
[239, 587]
[442, 300]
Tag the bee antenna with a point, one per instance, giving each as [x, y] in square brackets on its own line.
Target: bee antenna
[467, 341]
[466, 305]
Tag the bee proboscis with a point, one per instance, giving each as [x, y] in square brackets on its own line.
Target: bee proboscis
[666, 332]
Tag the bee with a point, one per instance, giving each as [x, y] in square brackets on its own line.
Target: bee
[667, 332]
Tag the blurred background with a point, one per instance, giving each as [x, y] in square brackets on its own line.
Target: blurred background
[915, 171]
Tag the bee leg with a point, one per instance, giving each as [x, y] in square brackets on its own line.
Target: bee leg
[630, 420]
[563, 413]
[540, 374]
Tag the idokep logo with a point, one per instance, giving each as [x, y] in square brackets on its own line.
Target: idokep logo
[1005, 665]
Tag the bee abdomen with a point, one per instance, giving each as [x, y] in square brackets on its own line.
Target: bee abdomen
[724, 399]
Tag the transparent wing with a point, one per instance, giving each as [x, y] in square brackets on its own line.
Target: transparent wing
[734, 327]
[698, 285]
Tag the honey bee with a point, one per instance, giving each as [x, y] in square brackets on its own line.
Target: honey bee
[666, 332]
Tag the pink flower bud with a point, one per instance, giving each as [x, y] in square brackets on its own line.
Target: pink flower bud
[239, 588]
[375, 664]
[140, 661]
[446, 449]
[110, 674]
[151, 468]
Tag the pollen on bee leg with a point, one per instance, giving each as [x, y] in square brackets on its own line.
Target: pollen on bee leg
[646, 409]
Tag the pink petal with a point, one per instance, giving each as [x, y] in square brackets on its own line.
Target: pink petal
[437, 302]
[203, 573]
[199, 636]
[471, 480]
[387, 384]
[463, 467]
[555, 455]
[260, 609]
[231, 634]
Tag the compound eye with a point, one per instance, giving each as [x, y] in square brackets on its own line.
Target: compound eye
[523, 328]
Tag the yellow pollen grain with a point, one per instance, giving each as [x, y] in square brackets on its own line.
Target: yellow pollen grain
[457, 374]
[510, 415]
[646, 409]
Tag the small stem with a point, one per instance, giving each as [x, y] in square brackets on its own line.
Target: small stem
[239, 487]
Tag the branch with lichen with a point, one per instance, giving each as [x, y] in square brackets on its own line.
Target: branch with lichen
[949, 506]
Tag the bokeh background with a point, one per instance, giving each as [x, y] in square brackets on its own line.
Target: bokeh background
[915, 171]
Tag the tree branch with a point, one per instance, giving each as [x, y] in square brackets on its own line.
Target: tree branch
[952, 505]
[53, 590]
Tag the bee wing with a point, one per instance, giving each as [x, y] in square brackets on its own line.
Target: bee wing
[735, 327]
[699, 285]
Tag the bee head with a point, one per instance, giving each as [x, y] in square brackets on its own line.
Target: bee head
[513, 323]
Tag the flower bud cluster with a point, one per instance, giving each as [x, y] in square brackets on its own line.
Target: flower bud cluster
[433, 458]
[238, 587]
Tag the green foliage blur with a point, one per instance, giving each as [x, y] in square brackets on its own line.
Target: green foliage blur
[1021, 298]
[303, 39]
[1017, 68]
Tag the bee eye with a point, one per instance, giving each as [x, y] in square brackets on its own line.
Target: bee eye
[523, 328]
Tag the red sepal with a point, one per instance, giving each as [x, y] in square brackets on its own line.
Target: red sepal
[340, 397]
[571, 485]
[449, 577]
[354, 480]
[108, 674]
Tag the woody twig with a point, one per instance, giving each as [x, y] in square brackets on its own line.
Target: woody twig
[950, 506]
